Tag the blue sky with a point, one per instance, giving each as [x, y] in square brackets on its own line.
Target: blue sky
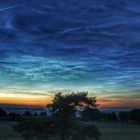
[47, 47]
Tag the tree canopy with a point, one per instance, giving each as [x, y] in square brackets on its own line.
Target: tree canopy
[63, 122]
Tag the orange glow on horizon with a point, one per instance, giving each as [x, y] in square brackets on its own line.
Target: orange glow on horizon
[26, 100]
[29, 103]
[40, 101]
[119, 103]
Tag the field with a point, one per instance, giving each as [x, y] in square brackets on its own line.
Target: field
[119, 131]
[110, 131]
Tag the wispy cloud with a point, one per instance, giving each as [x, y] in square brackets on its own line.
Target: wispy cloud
[49, 47]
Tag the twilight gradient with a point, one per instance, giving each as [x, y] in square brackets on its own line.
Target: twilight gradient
[47, 46]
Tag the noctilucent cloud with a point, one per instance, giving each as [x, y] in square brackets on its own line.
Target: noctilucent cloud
[48, 46]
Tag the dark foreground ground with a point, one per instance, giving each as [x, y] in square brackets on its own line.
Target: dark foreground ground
[110, 131]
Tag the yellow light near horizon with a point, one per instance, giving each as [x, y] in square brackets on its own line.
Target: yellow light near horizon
[21, 95]
[24, 99]
[41, 100]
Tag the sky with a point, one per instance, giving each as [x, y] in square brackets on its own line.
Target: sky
[65, 46]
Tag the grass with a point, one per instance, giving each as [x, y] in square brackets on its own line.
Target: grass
[6, 131]
[109, 130]
[118, 131]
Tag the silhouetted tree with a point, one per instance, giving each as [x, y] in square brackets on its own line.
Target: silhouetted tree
[123, 116]
[113, 116]
[35, 114]
[91, 113]
[14, 115]
[3, 113]
[134, 115]
[27, 114]
[63, 122]
[109, 116]
[43, 114]
[64, 107]
[104, 115]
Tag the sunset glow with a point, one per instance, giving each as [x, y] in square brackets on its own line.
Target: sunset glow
[46, 48]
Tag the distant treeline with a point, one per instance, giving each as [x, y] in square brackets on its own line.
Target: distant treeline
[13, 116]
[131, 116]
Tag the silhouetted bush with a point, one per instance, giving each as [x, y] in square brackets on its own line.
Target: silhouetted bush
[86, 131]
